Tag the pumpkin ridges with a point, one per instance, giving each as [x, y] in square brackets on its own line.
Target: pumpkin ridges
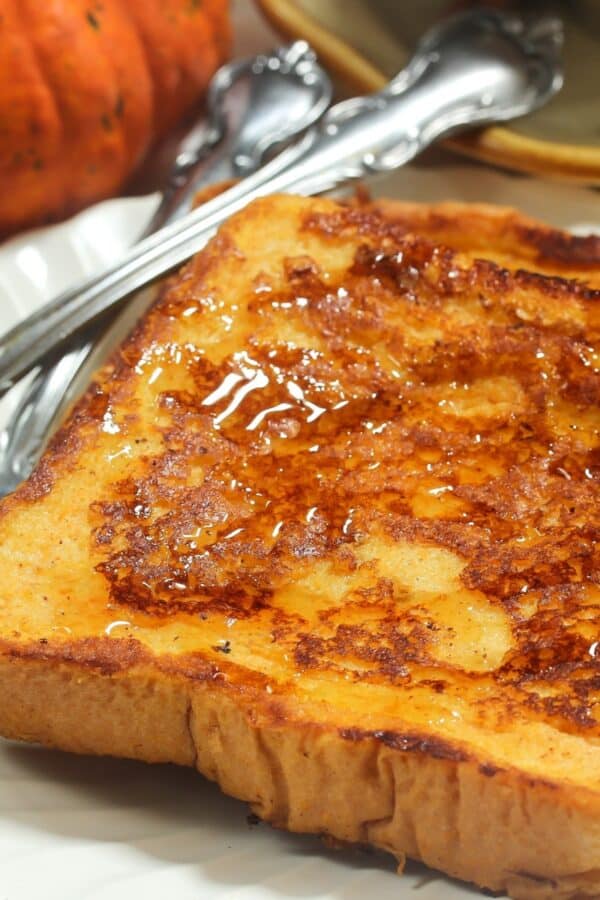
[30, 132]
[54, 42]
[181, 53]
[75, 124]
[131, 109]
[95, 157]
[218, 16]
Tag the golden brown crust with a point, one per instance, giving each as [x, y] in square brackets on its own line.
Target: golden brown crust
[334, 507]
[502, 233]
[306, 779]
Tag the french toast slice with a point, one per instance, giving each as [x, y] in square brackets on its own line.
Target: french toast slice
[326, 529]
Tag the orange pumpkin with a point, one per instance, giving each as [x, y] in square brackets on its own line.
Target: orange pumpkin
[86, 86]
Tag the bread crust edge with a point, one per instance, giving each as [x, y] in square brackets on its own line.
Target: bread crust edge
[495, 828]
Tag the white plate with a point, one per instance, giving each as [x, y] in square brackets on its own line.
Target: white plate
[76, 828]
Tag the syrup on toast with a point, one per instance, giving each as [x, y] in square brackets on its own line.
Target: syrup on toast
[326, 529]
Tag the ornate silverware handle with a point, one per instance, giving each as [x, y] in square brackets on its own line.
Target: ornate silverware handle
[479, 67]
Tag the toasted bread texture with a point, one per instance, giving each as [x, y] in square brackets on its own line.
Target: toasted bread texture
[326, 529]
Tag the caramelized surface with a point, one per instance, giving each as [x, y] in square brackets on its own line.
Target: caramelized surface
[351, 468]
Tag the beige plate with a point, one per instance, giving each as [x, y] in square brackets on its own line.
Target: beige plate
[364, 42]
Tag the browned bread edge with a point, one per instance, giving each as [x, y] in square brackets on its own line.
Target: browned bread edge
[407, 796]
